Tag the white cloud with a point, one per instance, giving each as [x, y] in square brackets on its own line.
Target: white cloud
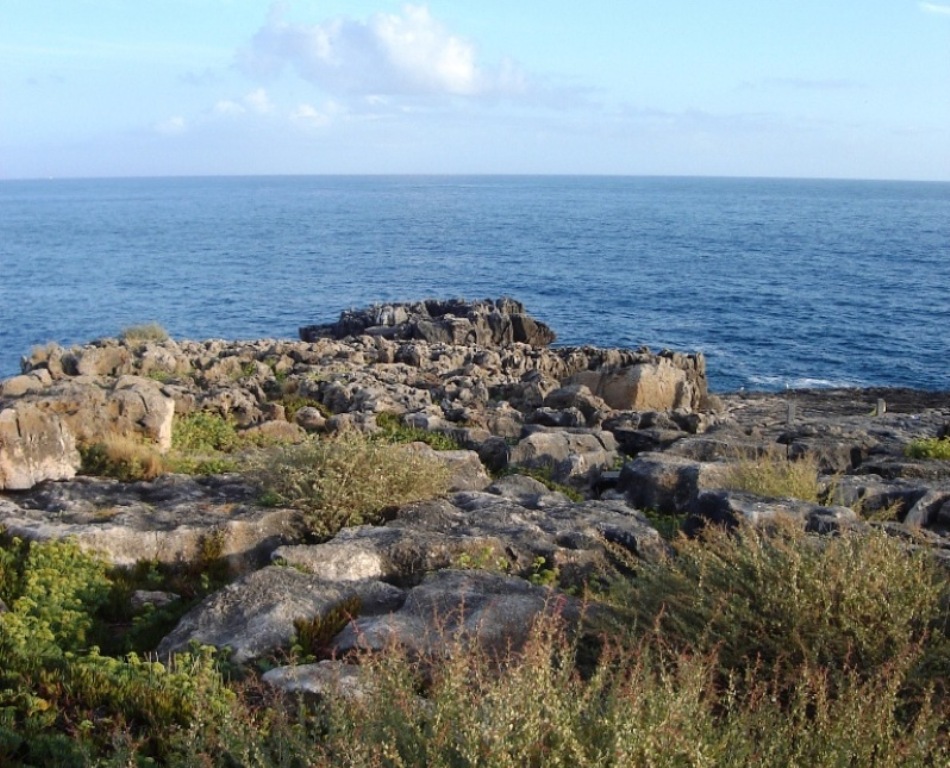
[173, 126]
[258, 101]
[405, 53]
[310, 116]
[935, 8]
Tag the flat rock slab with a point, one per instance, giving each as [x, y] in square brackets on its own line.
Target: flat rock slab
[508, 528]
[172, 519]
[731, 507]
[494, 611]
[256, 615]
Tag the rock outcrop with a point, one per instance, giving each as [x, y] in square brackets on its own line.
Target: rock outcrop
[486, 323]
[636, 434]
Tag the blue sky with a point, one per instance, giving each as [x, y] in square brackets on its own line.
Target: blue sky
[797, 88]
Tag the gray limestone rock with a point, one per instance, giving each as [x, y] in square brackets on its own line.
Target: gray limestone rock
[729, 507]
[171, 519]
[450, 607]
[257, 615]
[667, 483]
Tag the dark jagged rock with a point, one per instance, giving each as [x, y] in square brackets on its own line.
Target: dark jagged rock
[455, 321]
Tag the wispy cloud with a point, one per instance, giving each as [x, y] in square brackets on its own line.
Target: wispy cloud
[405, 53]
[173, 126]
[257, 101]
[943, 10]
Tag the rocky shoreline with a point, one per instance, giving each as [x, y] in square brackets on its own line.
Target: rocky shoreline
[631, 435]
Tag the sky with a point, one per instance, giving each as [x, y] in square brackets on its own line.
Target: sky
[773, 88]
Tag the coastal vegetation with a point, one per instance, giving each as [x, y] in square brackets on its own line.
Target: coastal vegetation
[930, 448]
[144, 332]
[679, 611]
[738, 649]
[345, 479]
[773, 475]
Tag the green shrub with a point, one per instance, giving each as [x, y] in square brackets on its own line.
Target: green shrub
[346, 479]
[929, 448]
[144, 332]
[60, 699]
[393, 430]
[643, 706]
[204, 432]
[775, 476]
[783, 599]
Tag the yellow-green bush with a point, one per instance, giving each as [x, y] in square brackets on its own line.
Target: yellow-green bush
[775, 476]
[929, 448]
[123, 457]
[346, 479]
[144, 332]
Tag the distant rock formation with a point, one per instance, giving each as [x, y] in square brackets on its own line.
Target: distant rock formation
[454, 321]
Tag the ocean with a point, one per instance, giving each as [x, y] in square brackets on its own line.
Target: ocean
[781, 283]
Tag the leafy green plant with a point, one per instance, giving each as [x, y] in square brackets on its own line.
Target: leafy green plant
[486, 558]
[204, 432]
[294, 402]
[542, 573]
[667, 525]
[144, 332]
[346, 479]
[929, 448]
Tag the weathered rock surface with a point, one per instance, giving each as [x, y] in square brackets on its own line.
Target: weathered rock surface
[169, 520]
[460, 566]
[513, 527]
[34, 446]
[450, 607]
[319, 680]
[258, 614]
[487, 322]
[667, 483]
[729, 508]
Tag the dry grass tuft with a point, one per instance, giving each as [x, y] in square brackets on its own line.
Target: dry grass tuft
[144, 332]
[775, 476]
[347, 479]
[123, 457]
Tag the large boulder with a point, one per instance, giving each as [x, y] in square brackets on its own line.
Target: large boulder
[729, 508]
[512, 527]
[659, 385]
[34, 446]
[666, 483]
[574, 456]
[94, 408]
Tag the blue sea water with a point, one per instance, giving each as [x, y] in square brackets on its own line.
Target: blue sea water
[779, 282]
